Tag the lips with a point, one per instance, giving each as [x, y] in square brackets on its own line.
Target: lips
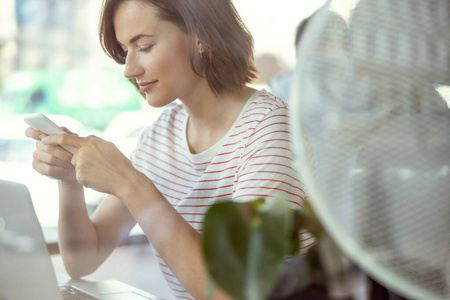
[146, 86]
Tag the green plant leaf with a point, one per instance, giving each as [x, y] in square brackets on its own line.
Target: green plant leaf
[225, 239]
[245, 244]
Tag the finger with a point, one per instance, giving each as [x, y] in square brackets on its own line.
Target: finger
[48, 170]
[53, 155]
[55, 150]
[64, 139]
[68, 131]
[34, 134]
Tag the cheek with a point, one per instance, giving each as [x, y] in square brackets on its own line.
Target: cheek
[176, 69]
[162, 65]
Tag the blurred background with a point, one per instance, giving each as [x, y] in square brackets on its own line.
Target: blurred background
[51, 62]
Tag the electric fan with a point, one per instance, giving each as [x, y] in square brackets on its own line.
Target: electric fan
[372, 135]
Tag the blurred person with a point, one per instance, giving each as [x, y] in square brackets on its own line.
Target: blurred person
[280, 85]
[268, 66]
[225, 141]
[328, 74]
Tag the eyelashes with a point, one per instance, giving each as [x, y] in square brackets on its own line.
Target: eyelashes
[146, 49]
[140, 49]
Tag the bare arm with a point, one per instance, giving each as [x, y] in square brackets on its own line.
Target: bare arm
[84, 244]
[101, 166]
[175, 240]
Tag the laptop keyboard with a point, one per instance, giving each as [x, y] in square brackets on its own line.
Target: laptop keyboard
[72, 293]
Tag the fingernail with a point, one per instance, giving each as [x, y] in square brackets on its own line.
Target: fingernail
[41, 136]
[44, 139]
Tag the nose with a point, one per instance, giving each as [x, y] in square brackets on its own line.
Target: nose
[133, 69]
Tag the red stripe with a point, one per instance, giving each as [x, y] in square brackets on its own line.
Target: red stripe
[278, 148]
[265, 196]
[252, 195]
[176, 152]
[164, 145]
[274, 164]
[170, 189]
[215, 197]
[167, 196]
[307, 246]
[213, 188]
[265, 142]
[181, 170]
[259, 108]
[271, 155]
[237, 142]
[172, 118]
[248, 122]
[140, 158]
[231, 152]
[272, 148]
[178, 291]
[161, 263]
[186, 206]
[220, 171]
[173, 166]
[224, 162]
[163, 178]
[217, 179]
[276, 104]
[249, 152]
[168, 138]
[253, 114]
[241, 132]
[304, 240]
[270, 172]
[173, 158]
[194, 222]
[268, 188]
[269, 133]
[191, 214]
[168, 129]
[273, 180]
[169, 274]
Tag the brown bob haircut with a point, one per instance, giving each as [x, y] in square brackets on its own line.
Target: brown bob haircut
[227, 60]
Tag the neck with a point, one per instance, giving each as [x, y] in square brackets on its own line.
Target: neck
[211, 116]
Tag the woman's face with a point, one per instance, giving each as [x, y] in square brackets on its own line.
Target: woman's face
[157, 53]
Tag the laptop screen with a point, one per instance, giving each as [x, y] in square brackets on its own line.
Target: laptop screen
[26, 271]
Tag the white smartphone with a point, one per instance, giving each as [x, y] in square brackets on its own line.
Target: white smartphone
[44, 124]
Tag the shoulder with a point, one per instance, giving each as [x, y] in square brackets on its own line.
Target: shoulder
[266, 100]
[265, 119]
[263, 106]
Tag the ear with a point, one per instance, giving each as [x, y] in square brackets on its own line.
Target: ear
[199, 47]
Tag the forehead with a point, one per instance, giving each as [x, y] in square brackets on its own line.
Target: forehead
[136, 17]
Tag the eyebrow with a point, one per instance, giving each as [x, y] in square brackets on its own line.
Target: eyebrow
[139, 36]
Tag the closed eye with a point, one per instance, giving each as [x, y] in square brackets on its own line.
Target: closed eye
[145, 49]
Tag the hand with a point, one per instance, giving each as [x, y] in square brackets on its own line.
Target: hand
[52, 160]
[98, 164]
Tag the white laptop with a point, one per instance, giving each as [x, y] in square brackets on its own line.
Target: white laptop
[26, 270]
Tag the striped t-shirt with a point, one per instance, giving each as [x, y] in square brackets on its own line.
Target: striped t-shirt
[254, 159]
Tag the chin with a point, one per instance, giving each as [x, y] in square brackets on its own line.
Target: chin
[157, 101]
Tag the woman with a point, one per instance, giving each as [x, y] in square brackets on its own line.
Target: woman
[226, 140]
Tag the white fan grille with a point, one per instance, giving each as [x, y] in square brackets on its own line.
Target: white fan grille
[373, 137]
